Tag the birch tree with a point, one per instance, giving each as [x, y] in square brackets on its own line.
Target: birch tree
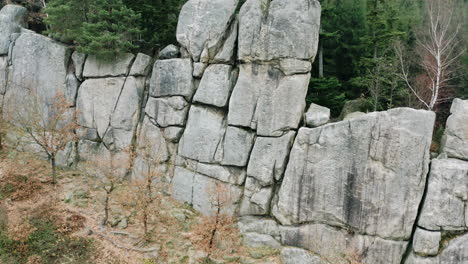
[438, 48]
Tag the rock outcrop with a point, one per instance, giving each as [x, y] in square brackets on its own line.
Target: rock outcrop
[225, 112]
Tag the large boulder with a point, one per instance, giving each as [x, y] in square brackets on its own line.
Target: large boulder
[426, 243]
[96, 101]
[203, 134]
[455, 140]
[447, 196]
[39, 70]
[342, 246]
[366, 174]
[167, 111]
[290, 255]
[200, 191]
[12, 19]
[111, 67]
[141, 65]
[268, 101]
[172, 77]
[237, 145]
[268, 159]
[279, 29]
[316, 115]
[203, 25]
[216, 85]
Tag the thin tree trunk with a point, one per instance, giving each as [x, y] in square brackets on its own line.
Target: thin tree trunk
[54, 173]
[106, 209]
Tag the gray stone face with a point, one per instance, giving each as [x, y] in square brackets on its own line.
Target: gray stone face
[294, 66]
[260, 240]
[259, 225]
[172, 134]
[256, 199]
[227, 174]
[151, 150]
[172, 77]
[79, 62]
[237, 145]
[12, 19]
[216, 85]
[455, 140]
[384, 153]
[141, 65]
[226, 54]
[203, 134]
[96, 101]
[317, 115]
[169, 52]
[456, 252]
[117, 66]
[71, 88]
[168, 111]
[194, 189]
[269, 157]
[198, 69]
[266, 100]
[3, 74]
[340, 246]
[203, 25]
[278, 29]
[426, 243]
[39, 69]
[290, 255]
[447, 196]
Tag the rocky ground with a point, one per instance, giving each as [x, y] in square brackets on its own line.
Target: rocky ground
[74, 208]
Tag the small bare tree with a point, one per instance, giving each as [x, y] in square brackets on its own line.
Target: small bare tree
[144, 193]
[438, 47]
[51, 126]
[107, 169]
[219, 228]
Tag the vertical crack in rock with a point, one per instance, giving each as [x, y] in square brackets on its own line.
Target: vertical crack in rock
[409, 247]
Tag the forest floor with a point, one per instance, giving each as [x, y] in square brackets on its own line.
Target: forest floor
[44, 223]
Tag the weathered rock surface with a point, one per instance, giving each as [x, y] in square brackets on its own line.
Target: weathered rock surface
[3, 74]
[168, 111]
[228, 174]
[39, 69]
[96, 102]
[202, 26]
[193, 188]
[216, 85]
[455, 140]
[456, 251]
[269, 157]
[266, 100]
[79, 62]
[116, 66]
[237, 145]
[384, 153]
[317, 115]
[151, 149]
[141, 65]
[290, 255]
[203, 134]
[426, 243]
[447, 196]
[278, 29]
[339, 246]
[226, 54]
[256, 199]
[12, 19]
[260, 240]
[169, 52]
[295, 66]
[198, 69]
[172, 77]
